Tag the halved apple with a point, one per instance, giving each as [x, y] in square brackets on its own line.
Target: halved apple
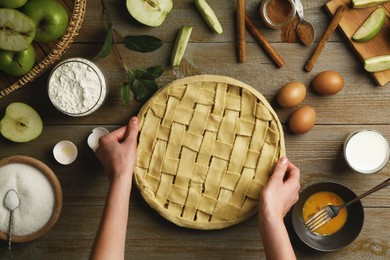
[17, 30]
[149, 12]
[21, 123]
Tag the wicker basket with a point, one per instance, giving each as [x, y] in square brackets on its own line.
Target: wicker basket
[54, 52]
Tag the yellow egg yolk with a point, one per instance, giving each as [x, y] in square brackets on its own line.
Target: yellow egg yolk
[319, 200]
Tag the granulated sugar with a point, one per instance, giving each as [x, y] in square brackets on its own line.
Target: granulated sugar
[77, 87]
[37, 199]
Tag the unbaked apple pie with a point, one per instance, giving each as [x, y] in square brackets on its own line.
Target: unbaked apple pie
[207, 146]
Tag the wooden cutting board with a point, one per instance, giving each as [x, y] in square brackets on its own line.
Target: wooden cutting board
[351, 21]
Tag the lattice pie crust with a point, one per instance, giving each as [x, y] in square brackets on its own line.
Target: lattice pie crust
[207, 146]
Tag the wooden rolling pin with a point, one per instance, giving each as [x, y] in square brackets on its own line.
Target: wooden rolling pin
[332, 26]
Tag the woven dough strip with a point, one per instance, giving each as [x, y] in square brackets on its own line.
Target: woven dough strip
[207, 146]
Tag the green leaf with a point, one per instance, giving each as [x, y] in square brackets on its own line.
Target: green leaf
[140, 92]
[107, 45]
[156, 71]
[143, 43]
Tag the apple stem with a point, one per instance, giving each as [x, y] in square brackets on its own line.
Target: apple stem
[113, 37]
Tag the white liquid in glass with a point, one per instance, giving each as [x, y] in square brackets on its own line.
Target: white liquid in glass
[367, 151]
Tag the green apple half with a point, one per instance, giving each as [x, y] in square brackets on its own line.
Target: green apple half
[149, 12]
[17, 63]
[50, 17]
[12, 3]
[17, 30]
[21, 123]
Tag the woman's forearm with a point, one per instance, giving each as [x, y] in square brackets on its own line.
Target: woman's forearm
[276, 242]
[111, 236]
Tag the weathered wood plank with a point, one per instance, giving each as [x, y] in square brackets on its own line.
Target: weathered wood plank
[150, 236]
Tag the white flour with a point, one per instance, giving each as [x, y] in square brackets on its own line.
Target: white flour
[77, 87]
[37, 199]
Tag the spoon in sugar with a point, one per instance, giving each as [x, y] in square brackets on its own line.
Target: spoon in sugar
[11, 202]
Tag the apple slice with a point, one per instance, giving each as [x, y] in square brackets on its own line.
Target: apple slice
[209, 16]
[21, 123]
[377, 63]
[180, 46]
[17, 30]
[367, 3]
[149, 12]
[372, 26]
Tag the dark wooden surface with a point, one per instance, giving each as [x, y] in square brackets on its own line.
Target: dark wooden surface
[318, 153]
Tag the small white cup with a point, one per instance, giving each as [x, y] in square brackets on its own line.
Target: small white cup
[65, 152]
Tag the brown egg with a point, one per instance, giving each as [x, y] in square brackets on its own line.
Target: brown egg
[302, 120]
[328, 82]
[291, 94]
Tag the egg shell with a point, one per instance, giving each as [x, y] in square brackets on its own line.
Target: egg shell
[302, 120]
[291, 94]
[328, 82]
[65, 152]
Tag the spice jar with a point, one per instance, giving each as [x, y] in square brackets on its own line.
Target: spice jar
[277, 13]
[77, 87]
[366, 151]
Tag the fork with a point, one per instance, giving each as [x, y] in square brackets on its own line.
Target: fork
[329, 212]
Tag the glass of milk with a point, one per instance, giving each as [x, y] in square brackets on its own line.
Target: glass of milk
[366, 151]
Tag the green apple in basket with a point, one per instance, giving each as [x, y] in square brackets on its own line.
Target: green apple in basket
[17, 30]
[149, 12]
[21, 123]
[17, 63]
[12, 3]
[50, 17]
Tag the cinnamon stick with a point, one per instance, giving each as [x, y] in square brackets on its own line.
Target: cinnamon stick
[332, 26]
[241, 30]
[264, 43]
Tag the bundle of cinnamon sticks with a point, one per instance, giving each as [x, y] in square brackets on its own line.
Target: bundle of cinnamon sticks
[244, 22]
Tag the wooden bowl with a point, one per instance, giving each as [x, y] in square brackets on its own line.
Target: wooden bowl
[48, 53]
[44, 169]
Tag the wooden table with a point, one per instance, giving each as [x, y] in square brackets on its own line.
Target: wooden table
[318, 153]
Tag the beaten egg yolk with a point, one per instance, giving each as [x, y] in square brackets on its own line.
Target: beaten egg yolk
[318, 201]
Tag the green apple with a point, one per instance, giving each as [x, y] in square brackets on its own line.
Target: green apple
[21, 123]
[17, 30]
[50, 17]
[149, 12]
[17, 63]
[12, 3]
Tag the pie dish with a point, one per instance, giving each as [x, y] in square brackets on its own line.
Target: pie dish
[207, 146]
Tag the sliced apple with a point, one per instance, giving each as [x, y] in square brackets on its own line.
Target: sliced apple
[180, 46]
[209, 16]
[17, 30]
[372, 26]
[149, 12]
[377, 63]
[21, 123]
[367, 3]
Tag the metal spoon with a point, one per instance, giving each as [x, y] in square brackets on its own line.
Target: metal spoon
[11, 202]
[305, 30]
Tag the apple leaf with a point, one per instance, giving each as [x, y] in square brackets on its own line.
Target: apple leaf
[107, 45]
[143, 43]
[142, 83]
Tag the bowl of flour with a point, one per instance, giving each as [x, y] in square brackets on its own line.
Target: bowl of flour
[39, 194]
[77, 87]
